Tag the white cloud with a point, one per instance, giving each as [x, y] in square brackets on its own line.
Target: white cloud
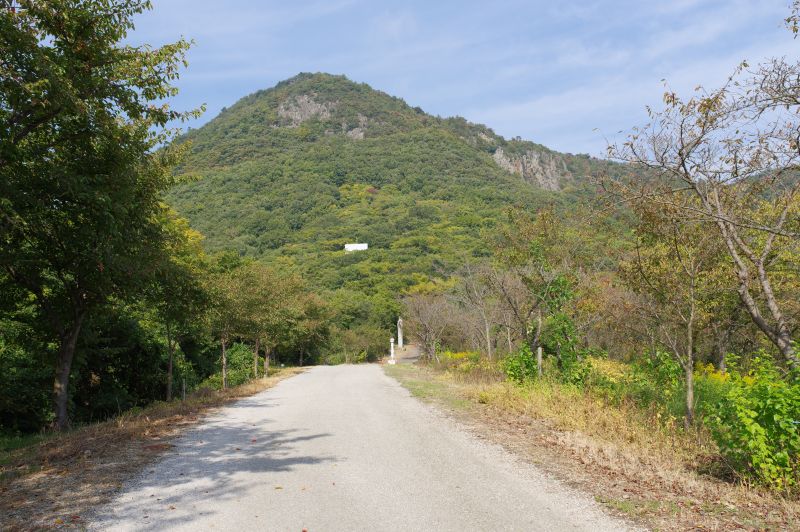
[392, 27]
[549, 71]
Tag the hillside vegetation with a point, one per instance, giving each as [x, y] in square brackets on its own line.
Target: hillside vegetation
[133, 262]
[293, 173]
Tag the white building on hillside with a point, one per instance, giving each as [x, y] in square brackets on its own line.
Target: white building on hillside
[356, 247]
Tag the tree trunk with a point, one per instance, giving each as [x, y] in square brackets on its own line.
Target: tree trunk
[786, 347]
[689, 366]
[255, 359]
[538, 337]
[488, 330]
[689, 369]
[721, 335]
[171, 349]
[266, 361]
[66, 353]
[224, 366]
[559, 360]
[784, 335]
[508, 335]
[778, 335]
[301, 357]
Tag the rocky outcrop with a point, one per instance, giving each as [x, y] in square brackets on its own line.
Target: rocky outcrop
[539, 168]
[486, 138]
[357, 133]
[304, 107]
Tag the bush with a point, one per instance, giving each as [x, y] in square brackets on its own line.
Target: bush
[24, 393]
[459, 358]
[361, 343]
[711, 387]
[521, 365]
[339, 357]
[576, 372]
[756, 426]
[240, 367]
[657, 380]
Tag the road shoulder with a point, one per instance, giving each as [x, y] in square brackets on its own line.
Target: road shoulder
[628, 486]
[61, 480]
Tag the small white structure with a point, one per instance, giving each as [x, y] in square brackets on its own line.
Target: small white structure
[391, 352]
[356, 247]
[400, 332]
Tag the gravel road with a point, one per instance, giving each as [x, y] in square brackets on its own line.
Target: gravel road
[343, 448]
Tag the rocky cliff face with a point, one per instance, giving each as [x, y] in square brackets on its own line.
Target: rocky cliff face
[304, 107]
[542, 169]
[356, 132]
[314, 107]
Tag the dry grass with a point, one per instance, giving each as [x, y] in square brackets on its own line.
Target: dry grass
[570, 409]
[639, 466]
[54, 483]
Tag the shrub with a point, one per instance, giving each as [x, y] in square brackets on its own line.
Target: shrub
[711, 388]
[576, 372]
[458, 359]
[361, 343]
[240, 367]
[608, 378]
[656, 379]
[339, 357]
[24, 379]
[520, 366]
[756, 426]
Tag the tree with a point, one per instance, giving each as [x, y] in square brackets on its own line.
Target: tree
[226, 312]
[428, 315]
[79, 177]
[528, 281]
[474, 292]
[268, 300]
[310, 328]
[177, 289]
[728, 158]
[675, 266]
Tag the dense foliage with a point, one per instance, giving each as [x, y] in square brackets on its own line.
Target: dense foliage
[757, 425]
[135, 263]
[107, 298]
[283, 177]
[660, 331]
[79, 196]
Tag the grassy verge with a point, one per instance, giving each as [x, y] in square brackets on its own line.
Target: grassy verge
[54, 480]
[648, 470]
[418, 381]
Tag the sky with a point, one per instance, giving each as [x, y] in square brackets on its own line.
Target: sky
[569, 75]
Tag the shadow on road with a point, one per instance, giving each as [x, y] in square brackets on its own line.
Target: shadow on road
[211, 462]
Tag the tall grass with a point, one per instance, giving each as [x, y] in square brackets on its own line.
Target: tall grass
[747, 422]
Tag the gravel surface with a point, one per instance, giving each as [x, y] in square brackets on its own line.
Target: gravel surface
[343, 448]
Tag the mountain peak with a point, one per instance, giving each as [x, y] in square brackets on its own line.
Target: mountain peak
[318, 161]
[319, 107]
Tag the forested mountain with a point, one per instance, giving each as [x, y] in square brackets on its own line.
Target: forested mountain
[296, 171]
[654, 339]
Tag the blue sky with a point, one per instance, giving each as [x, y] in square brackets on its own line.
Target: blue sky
[564, 74]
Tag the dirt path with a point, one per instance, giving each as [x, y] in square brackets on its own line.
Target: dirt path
[343, 448]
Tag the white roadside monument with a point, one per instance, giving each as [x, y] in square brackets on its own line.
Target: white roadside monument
[391, 351]
[400, 333]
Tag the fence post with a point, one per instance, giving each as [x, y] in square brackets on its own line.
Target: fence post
[539, 360]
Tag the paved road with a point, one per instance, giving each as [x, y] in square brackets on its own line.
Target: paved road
[343, 448]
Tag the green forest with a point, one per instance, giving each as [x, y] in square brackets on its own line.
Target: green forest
[139, 261]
